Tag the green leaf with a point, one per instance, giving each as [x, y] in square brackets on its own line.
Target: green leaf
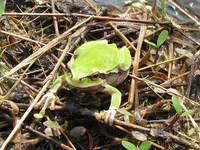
[191, 131]
[129, 145]
[38, 119]
[149, 7]
[163, 7]
[184, 52]
[177, 105]
[125, 112]
[9, 84]
[52, 124]
[161, 38]
[145, 145]
[146, 100]
[2, 68]
[151, 43]
[166, 108]
[1, 52]
[149, 31]
[97, 11]
[2, 7]
[137, 4]
[186, 113]
[128, 2]
[38, 116]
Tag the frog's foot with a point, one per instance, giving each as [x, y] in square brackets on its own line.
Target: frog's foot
[110, 116]
[46, 99]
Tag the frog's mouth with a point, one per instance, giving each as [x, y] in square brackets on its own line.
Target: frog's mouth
[83, 82]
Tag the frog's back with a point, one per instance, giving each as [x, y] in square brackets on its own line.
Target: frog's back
[100, 56]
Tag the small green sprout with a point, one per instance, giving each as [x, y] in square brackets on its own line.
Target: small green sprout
[9, 82]
[161, 39]
[129, 145]
[163, 7]
[144, 146]
[38, 117]
[178, 108]
[191, 131]
[1, 52]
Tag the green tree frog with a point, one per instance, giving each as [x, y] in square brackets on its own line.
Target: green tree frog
[95, 67]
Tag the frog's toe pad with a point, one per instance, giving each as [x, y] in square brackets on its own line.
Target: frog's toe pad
[110, 116]
[46, 99]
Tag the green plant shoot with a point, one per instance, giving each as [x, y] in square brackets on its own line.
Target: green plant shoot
[144, 146]
[2, 7]
[178, 107]
[129, 145]
[161, 39]
[163, 7]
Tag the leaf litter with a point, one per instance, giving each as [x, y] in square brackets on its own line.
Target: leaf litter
[33, 38]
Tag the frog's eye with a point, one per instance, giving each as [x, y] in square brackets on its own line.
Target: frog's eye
[95, 76]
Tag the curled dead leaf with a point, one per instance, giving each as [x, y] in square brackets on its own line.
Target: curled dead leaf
[14, 108]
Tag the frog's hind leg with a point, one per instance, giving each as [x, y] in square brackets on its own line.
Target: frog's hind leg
[124, 59]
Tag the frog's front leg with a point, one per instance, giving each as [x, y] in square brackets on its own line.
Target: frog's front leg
[51, 96]
[115, 103]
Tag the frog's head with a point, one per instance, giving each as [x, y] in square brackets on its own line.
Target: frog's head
[82, 76]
